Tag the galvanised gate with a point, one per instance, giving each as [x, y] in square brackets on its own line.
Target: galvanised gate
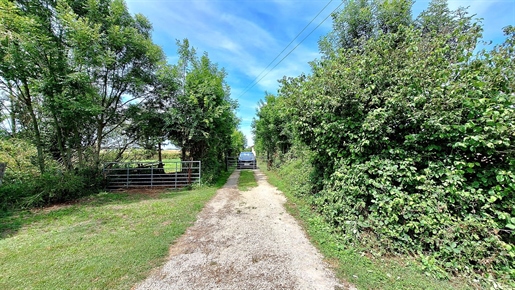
[151, 174]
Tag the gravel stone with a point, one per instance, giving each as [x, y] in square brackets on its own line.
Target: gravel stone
[244, 240]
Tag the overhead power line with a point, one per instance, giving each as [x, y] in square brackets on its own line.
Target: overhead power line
[252, 83]
[257, 79]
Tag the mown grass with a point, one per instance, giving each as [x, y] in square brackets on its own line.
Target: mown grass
[246, 180]
[351, 264]
[109, 241]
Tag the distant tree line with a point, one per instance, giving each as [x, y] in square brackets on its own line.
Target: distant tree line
[409, 128]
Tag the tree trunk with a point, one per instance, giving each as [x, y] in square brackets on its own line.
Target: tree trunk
[65, 154]
[160, 157]
[98, 145]
[12, 113]
[35, 127]
[78, 145]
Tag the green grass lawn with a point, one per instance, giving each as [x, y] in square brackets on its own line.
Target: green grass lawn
[350, 263]
[108, 241]
[171, 165]
[246, 180]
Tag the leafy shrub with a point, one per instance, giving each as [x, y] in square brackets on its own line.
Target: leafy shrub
[294, 167]
[24, 186]
[413, 146]
[49, 188]
[20, 157]
[212, 169]
[394, 205]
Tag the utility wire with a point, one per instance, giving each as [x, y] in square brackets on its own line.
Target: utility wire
[305, 27]
[257, 82]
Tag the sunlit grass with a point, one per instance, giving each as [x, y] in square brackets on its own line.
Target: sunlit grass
[110, 241]
[247, 180]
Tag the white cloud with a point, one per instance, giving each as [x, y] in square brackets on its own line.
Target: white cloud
[244, 36]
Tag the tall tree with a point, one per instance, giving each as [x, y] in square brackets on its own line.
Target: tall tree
[21, 67]
[148, 119]
[360, 20]
[238, 141]
[120, 56]
[73, 67]
[272, 127]
[202, 119]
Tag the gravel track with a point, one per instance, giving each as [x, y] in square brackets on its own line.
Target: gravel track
[244, 240]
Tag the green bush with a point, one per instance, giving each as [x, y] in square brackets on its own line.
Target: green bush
[49, 188]
[394, 205]
[414, 147]
[25, 187]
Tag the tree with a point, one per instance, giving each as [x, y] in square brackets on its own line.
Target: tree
[71, 69]
[238, 141]
[271, 127]
[148, 119]
[361, 20]
[19, 51]
[438, 19]
[120, 60]
[202, 120]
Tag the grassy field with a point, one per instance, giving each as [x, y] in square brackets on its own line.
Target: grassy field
[247, 180]
[170, 165]
[352, 264]
[108, 241]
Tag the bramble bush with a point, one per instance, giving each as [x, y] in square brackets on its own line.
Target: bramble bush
[414, 140]
[412, 146]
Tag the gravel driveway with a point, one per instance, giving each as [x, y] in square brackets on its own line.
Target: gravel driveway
[244, 240]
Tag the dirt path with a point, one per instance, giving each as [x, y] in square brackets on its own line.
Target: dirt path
[243, 240]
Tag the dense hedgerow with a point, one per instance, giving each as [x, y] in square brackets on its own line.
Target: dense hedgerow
[413, 144]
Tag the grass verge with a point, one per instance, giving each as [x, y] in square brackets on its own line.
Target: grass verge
[109, 241]
[350, 263]
[246, 180]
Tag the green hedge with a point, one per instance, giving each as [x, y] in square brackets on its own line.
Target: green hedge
[413, 143]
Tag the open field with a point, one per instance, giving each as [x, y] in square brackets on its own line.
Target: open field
[170, 165]
[109, 241]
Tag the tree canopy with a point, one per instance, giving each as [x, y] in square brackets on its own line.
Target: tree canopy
[79, 77]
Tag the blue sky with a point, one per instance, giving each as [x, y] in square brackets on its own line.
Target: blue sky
[244, 36]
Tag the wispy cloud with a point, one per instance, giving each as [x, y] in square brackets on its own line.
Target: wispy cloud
[244, 36]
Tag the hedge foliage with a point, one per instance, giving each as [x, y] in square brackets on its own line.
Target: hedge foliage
[24, 187]
[413, 139]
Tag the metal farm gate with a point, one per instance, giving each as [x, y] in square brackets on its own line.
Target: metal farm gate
[151, 174]
[231, 161]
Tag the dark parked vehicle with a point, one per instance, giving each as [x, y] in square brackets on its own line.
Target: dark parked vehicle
[247, 160]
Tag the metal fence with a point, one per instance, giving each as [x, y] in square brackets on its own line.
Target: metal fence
[151, 174]
[232, 162]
